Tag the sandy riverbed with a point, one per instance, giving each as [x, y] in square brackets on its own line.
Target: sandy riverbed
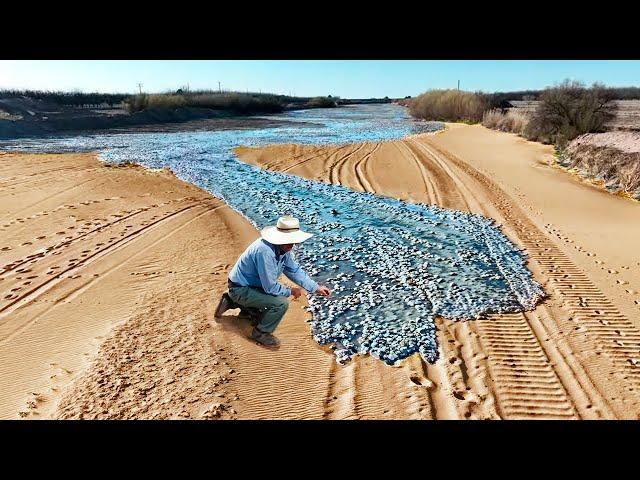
[110, 277]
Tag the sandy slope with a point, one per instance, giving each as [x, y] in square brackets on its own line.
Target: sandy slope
[578, 354]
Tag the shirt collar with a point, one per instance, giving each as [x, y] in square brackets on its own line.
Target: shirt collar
[275, 249]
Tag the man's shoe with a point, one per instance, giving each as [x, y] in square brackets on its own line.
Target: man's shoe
[225, 304]
[264, 338]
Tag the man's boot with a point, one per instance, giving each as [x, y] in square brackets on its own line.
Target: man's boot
[264, 338]
[225, 304]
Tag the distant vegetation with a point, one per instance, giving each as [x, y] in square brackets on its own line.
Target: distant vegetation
[500, 99]
[448, 106]
[67, 98]
[237, 102]
[562, 112]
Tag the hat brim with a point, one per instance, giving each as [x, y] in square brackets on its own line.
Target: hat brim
[275, 236]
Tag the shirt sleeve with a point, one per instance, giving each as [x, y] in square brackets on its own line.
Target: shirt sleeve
[294, 273]
[268, 272]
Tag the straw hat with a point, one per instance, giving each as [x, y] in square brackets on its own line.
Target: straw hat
[286, 231]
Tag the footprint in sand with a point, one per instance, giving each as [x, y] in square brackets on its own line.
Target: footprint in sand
[41, 237]
[612, 271]
[61, 233]
[5, 248]
[26, 243]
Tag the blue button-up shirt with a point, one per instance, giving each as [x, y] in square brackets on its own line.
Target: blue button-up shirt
[262, 263]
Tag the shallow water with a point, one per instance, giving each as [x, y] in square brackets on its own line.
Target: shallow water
[392, 266]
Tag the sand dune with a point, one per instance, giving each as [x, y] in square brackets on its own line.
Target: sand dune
[110, 277]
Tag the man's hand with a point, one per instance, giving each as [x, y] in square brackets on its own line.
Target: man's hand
[323, 291]
[296, 292]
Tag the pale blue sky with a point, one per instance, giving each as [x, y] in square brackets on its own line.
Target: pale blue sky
[344, 78]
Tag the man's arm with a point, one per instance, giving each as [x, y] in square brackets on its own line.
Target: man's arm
[294, 273]
[268, 272]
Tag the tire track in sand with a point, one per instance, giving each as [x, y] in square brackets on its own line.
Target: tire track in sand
[40, 288]
[595, 328]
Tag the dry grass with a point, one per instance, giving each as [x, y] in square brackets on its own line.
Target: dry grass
[448, 106]
[514, 120]
[619, 170]
[237, 102]
[165, 101]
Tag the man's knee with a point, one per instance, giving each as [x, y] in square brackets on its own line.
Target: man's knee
[281, 303]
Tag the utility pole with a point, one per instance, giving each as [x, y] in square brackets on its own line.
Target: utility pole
[458, 85]
[219, 89]
[140, 87]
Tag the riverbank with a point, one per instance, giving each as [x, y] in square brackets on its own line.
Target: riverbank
[139, 341]
[72, 122]
[95, 262]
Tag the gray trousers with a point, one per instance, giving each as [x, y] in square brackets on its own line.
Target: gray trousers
[271, 307]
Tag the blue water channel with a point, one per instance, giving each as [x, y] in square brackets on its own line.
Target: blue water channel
[392, 266]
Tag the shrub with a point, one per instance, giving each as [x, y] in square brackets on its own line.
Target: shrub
[448, 105]
[165, 101]
[513, 120]
[137, 103]
[322, 102]
[237, 102]
[569, 110]
[491, 118]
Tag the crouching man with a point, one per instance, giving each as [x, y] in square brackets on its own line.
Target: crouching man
[253, 280]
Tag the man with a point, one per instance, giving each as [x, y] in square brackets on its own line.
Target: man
[253, 280]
